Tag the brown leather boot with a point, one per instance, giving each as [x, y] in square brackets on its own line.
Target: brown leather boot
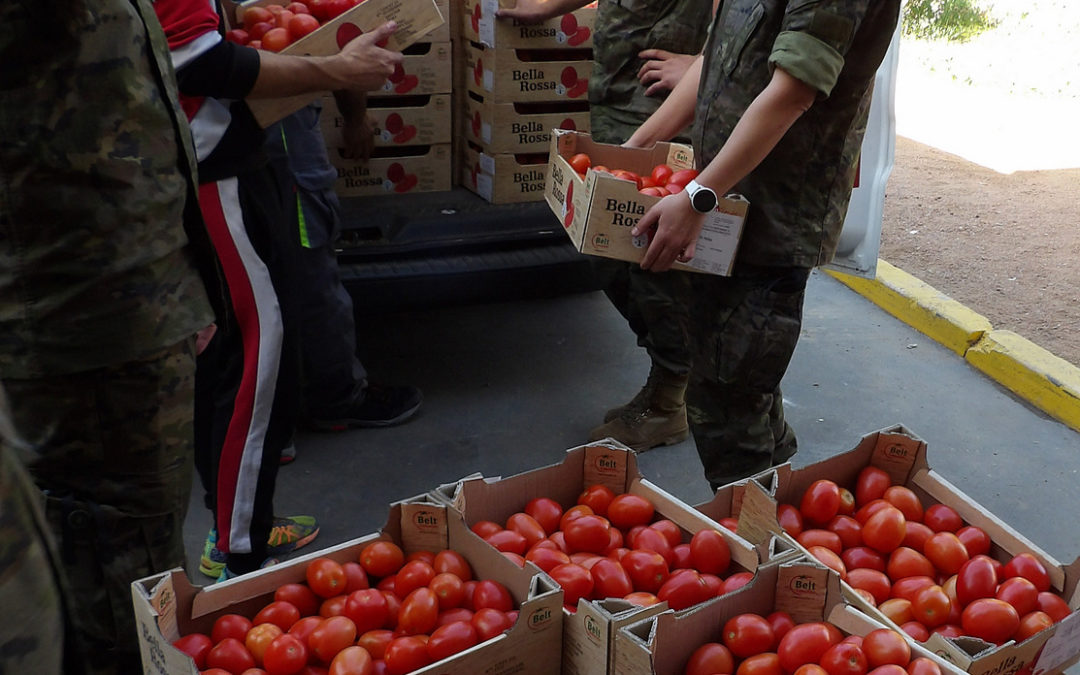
[640, 400]
[659, 418]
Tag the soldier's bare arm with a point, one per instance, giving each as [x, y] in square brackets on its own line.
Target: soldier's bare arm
[674, 113]
[535, 11]
[662, 70]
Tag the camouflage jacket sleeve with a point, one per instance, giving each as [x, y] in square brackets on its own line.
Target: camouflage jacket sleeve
[814, 39]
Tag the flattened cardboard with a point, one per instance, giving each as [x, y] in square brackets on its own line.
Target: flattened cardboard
[167, 605]
[479, 24]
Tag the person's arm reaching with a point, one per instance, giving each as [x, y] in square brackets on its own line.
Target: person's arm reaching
[662, 70]
[535, 11]
[760, 128]
[358, 130]
[674, 113]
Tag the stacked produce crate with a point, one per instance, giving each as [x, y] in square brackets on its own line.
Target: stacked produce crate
[520, 81]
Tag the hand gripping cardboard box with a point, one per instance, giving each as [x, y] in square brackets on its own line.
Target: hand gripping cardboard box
[903, 455]
[521, 75]
[415, 19]
[598, 210]
[519, 127]
[168, 606]
[589, 632]
[406, 120]
[479, 24]
[662, 645]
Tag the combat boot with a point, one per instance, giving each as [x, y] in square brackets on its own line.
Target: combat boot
[641, 399]
[659, 419]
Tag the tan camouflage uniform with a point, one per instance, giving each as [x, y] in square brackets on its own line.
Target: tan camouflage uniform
[99, 298]
[654, 304]
[798, 199]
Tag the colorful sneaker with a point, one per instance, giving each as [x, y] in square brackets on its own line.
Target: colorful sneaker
[212, 561]
[227, 574]
[381, 406]
[291, 533]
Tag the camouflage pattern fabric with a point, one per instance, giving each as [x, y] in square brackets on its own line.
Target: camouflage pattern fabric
[799, 194]
[95, 183]
[112, 451]
[624, 28]
[749, 326]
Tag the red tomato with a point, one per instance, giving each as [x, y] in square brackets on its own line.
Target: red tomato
[661, 174]
[302, 628]
[545, 511]
[406, 654]
[789, 519]
[300, 596]
[381, 558]
[848, 529]
[781, 623]
[1032, 623]
[367, 608]
[1053, 605]
[931, 606]
[736, 581]
[909, 587]
[685, 589]
[874, 582]
[449, 589]
[352, 660]
[748, 634]
[975, 539]
[710, 552]
[805, 643]
[623, 174]
[254, 15]
[647, 569]
[990, 619]
[375, 641]
[1028, 566]
[671, 531]
[709, 659]
[870, 485]
[949, 630]
[450, 639]
[884, 646]
[641, 599]
[230, 626]
[626, 511]
[906, 562]
[276, 39]
[867, 510]
[580, 162]
[942, 518]
[923, 666]
[485, 528]
[682, 177]
[355, 579]
[897, 610]
[588, 533]
[490, 593]
[844, 658]
[419, 612]
[652, 540]
[195, 645]
[820, 502]
[490, 623]
[819, 537]
[453, 563]
[1020, 593]
[829, 558]
[884, 530]
[610, 580]
[760, 664]
[976, 579]
[575, 580]
[526, 526]
[863, 556]
[280, 613]
[573, 512]
[906, 500]
[326, 577]
[810, 669]
[916, 535]
[916, 630]
[847, 502]
[681, 558]
[413, 575]
[331, 636]
[546, 558]
[596, 497]
[508, 541]
[301, 25]
[946, 551]
[286, 655]
[238, 35]
[729, 523]
[230, 654]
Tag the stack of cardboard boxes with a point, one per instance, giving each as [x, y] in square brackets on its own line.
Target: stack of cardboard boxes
[413, 123]
[520, 82]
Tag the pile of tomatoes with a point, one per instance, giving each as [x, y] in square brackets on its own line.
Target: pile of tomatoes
[774, 645]
[384, 613]
[275, 27]
[660, 182]
[922, 567]
[612, 546]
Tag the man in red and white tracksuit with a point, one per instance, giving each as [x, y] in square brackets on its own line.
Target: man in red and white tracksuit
[247, 379]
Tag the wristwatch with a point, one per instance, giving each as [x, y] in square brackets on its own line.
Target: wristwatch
[702, 198]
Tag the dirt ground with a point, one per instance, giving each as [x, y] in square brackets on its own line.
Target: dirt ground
[1007, 246]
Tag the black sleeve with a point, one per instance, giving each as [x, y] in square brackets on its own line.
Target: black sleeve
[227, 70]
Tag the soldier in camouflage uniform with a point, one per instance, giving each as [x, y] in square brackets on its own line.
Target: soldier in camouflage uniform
[100, 300]
[779, 103]
[654, 305]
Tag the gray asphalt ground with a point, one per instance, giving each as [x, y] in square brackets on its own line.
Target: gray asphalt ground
[509, 387]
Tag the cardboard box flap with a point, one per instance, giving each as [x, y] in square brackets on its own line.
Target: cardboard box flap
[757, 515]
[850, 620]
[1061, 650]
[806, 590]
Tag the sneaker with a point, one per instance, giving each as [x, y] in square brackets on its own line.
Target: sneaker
[288, 454]
[382, 406]
[291, 533]
[227, 574]
[212, 561]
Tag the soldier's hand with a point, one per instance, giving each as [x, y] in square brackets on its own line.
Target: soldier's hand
[366, 65]
[527, 11]
[662, 70]
[677, 226]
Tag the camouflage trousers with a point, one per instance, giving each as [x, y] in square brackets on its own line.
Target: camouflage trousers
[746, 332]
[655, 305]
[111, 449]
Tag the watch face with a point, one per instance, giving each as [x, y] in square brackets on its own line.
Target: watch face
[704, 200]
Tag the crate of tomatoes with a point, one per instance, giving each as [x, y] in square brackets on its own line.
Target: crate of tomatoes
[601, 191]
[619, 547]
[792, 618]
[918, 554]
[422, 595]
[320, 28]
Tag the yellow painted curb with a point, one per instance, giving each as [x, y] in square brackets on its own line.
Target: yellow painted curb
[921, 306]
[1050, 383]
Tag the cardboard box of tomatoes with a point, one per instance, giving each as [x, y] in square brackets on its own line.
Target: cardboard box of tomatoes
[802, 594]
[342, 20]
[599, 207]
[590, 622]
[167, 606]
[932, 536]
[574, 29]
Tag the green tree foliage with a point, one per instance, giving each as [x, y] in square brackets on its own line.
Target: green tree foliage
[952, 20]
